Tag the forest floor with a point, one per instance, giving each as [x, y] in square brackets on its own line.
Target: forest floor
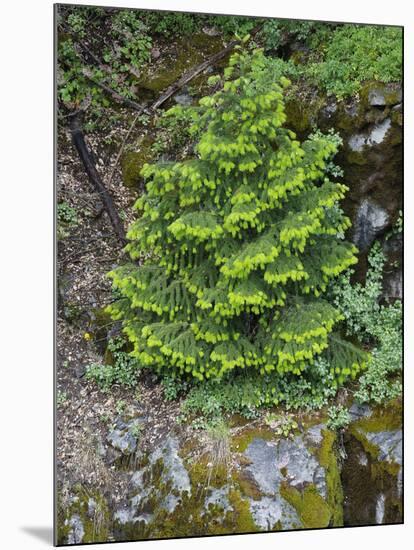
[85, 255]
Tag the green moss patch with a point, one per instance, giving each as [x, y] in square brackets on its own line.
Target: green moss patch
[313, 511]
[384, 418]
[133, 161]
[241, 441]
[93, 511]
[329, 460]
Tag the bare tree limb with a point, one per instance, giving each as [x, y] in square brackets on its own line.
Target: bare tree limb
[75, 123]
[115, 95]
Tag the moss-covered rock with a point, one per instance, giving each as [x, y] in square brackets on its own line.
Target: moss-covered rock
[373, 443]
[178, 58]
[87, 518]
[313, 511]
[133, 161]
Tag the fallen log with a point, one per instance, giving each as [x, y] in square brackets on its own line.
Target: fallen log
[78, 138]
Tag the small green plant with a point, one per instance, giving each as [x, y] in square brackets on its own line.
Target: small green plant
[173, 387]
[341, 57]
[136, 429]
[66, 218]
[120, 406]
[234, 25]
[61, 398]
[123, 371]
[338, 417]
[173, 134]
[247, 393]
[172, 24]
[277, 33]
[66, 214]
[284, 425]
[105, 418]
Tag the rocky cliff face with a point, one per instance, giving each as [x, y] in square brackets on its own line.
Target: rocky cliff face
[371, 159]
[250, 480]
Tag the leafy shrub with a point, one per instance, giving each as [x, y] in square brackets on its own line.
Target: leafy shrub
[278, 32]
[172, 24]
[134, 41]
[118, 62]
[234, 25]
[247, 393]
[341, 57]
[237, 244]
[357, 53]
[173, 387]
[377, 325]
[123, 371]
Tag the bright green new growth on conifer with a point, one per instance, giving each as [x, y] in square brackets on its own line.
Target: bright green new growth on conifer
[234, 247]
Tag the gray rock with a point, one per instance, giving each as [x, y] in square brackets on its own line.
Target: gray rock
[123, 516]
[170, 503]
[357, 142]
[267, 511]
[123, 441]
[267, 460]
[380, 509]
[142, 488]
[218, 497]
[264, 466]
[393, 285]
[370, 221]
[379, 132]
[381, 96]
[183, 99]
[91, 507]
[330, 109]
[174, 469]
[77, 530]
[363, 459]
[358, 411]
[123, 437]
[376, 97]
[314, 434]
[389, 444]
[299, 465]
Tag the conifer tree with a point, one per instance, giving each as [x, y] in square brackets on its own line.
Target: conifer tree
[234, 248]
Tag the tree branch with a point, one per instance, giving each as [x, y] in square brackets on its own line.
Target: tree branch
[75, 124]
